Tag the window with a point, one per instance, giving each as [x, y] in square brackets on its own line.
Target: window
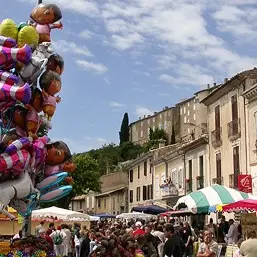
[218, 168]
[188, 112]
[217, 122]
[236, 164]
[185, 119]
[113, 203]
[138, 171]
[180, 178]
[173, 176]
[99, 203]
[104, 202]
[153, 119]
[165, 125]
[148, 121]
[138, 194]
[160, 126]
[184, 110]
[145, 168]
[201, 166]
[194, 107]
[81, 205]
[142, 124]
[194, 116]
[190, 173]
[160, 116]
[188, 104]
[144, 193]
[181, 111]
[163, 178]
[157, 185]
[131, 196]
[234, 108]
[130, 176]
[141, 133]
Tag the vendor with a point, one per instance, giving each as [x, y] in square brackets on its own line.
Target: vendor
[209, 248]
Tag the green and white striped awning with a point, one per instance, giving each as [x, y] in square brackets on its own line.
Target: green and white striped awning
[201, 200]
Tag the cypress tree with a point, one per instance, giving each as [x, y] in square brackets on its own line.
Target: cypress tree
[124, 129]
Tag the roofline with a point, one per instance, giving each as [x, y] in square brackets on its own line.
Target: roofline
[151, 116]
[227, 86]
[185, 101]
[139, 160]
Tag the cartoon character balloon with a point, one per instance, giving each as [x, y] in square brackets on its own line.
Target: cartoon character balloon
[45, 17]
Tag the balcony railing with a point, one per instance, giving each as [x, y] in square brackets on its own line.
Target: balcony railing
[216, 138]
[199, 182]
[233, 181]
[234, 129]
[168, 190]
[218, 181]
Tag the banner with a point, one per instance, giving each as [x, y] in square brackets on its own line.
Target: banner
[245, 183]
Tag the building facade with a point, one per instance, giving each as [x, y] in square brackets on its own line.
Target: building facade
[113, 197]
[84, 203]
[250, 96]
[181, 170]
[227, 128]
[140, 181]
[165, 119]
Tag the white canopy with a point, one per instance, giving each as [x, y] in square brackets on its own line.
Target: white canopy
[135, 215]
[94, 218]
[63, 214]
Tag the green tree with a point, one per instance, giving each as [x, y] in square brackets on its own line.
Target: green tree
[124, 129]
[42, 131]
[154, 138]
[86, 178]
[173, 136]
[129, 151]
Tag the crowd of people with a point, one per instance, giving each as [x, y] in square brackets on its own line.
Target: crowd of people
[154, 238]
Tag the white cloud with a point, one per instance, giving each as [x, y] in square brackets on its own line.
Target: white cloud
[237, 20]
[187, 74]
[125, 42]
[107, 81]
[101, 140]
[91, 66]
[88, 7]
[141, 111]
[116, 104]
[71, 48]
[87, 34]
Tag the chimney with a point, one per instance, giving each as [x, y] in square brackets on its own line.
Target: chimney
[225, 80]
[148, 115]
[208, 86]
[166, 107]
[139, 118]
[144, 116]
[155, 112]
[214, 84]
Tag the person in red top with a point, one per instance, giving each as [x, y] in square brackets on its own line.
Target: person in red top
[138, 230]
[43, 234]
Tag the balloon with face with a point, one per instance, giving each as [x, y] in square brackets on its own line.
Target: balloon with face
[45, 15]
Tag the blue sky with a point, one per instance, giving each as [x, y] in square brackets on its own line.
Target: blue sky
[138, 56]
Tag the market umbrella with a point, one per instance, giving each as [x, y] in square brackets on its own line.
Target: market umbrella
[105, 216]
[201, 200]
[149, 209]
[243, 205]
[135, 215]
[177, 213]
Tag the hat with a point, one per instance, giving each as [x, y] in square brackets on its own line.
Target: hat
[138, 224]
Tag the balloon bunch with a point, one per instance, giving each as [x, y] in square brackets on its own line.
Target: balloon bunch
[30, 246]
[32, 168]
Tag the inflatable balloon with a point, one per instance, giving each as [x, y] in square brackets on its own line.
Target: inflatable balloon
[50, 83]
[36, 66]
[8, 29]
[28, 36]
[11, 55]
[33, 169]
[55, 63]
[44, 15]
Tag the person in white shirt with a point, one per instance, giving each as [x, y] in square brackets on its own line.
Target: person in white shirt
[39, 227]
[232, 236]
[58, 237]
[66, 240]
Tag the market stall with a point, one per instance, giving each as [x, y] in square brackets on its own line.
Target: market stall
[149, 209]
[59, 216]
[201, 200]
[135, 215]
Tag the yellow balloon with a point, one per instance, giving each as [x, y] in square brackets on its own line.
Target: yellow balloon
[8, 28]
[28, 35]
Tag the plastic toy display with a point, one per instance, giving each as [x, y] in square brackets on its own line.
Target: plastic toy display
[32, 169]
